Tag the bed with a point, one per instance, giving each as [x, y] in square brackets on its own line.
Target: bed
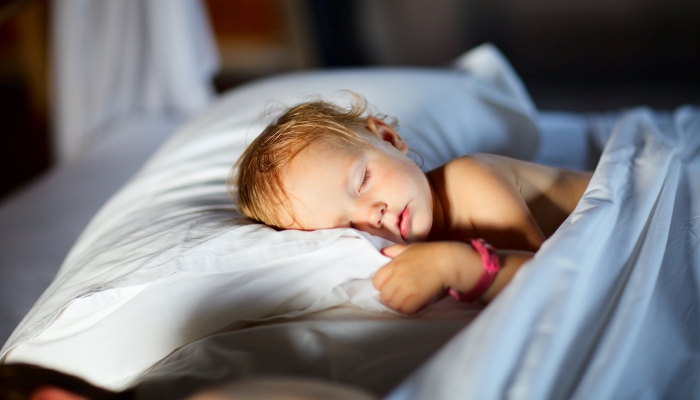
[168, 290]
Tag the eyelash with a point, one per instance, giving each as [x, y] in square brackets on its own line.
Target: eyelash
[365, 179]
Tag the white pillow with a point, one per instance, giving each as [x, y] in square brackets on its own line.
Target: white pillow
[167, 260]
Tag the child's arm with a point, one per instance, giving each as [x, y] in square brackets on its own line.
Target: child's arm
[421, 271]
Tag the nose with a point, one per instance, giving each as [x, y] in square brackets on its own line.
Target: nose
[369, 216]
[376, 215]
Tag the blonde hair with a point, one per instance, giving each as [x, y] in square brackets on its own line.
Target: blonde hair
[256, 178]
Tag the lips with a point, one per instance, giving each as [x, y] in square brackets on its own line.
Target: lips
[403, 222]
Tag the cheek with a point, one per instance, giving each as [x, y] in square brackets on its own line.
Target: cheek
[409, 181]
[419, 180]
[409, 168]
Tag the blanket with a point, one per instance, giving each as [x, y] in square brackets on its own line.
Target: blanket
[608, 308]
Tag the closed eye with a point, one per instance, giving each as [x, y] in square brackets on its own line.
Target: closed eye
[365, 179]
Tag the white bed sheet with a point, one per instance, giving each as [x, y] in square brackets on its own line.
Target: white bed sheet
[371, 351]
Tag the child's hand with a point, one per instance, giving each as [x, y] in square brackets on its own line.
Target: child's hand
[420, 271]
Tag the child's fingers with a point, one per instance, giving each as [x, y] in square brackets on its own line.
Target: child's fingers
[394, 250]
[394, 293]
[403, 300]
[388, 291]
[410, 304]
[380, 277]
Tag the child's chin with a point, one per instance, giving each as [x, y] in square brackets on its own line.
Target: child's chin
[416, 238]
[418, 234]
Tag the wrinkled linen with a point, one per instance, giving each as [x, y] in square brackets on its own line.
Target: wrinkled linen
[609, 307]
[371, 351]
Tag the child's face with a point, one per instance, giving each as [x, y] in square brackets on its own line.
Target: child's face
[377, 190]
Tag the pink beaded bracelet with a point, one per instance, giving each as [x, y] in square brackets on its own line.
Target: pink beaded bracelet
[490, 264]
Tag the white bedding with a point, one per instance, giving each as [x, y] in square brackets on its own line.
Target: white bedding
[166, 261]
[372, 351]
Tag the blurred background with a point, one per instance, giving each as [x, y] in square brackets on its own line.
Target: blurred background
[574, 55]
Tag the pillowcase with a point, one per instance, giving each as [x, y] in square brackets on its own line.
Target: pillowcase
[167, 260]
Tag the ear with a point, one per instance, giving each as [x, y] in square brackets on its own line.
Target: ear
[385, 132]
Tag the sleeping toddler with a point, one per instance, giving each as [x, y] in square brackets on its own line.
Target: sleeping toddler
[320, 166]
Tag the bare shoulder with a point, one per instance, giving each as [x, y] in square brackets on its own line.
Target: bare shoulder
[482, 189]
[531, 180]
[501, 194]
[487, 169]
[550, 193]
